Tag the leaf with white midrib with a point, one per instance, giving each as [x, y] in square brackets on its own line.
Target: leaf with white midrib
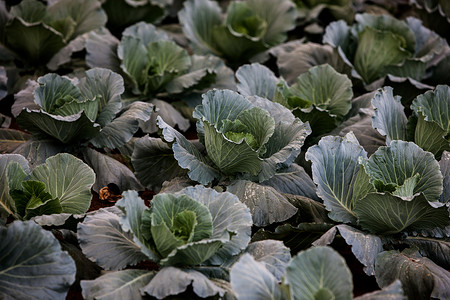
[335, 167]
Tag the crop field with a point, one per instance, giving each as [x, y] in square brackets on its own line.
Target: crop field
[236, 149]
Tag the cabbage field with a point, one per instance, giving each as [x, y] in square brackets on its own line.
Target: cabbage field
[248, 150]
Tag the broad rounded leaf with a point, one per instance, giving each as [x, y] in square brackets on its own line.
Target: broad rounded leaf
[120, 285]
[199, 17]
[335, 168]
[388, 214]
[35, 43]
[394, 291]
[433, 105]
[32, 264]
[68, 129]
[420, 277]
[256, 80]
[293, 180]
[173, 281]
[265, 203]
[394, 164]
[274, 254]
[316, 271]
[103, 241]
[68, 179]
[120, 130]
[251, 280]
[153, 156]
[109, 170]
[298, 60]
[389, 118]
[365, 246]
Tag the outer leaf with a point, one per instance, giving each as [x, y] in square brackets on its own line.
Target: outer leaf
[326, 89]
[121, 130]
[437, 249]
[365, 247]
[10, 139]
[69, 129]
[389, 119]
[273, 254]
[199, 17]
[296, 238]
[69, 179]
[103, 241]
[173, 281]
[433, 105]
[153, 156]
[316, 271]
[187, 155]
[256, 80]
[133, 207]
[7, 206]
[248, 272]
[124, 284]
[299, 58]
[109, 170]
[101, 50]
[229, 215]
[32, 264]
[335, 168]
[265, 203]
[168, 113]
[394, 291]
[37, 151]
[402, 160]
[293, 180]
[87, 15]
[387, 214]
[444, 165]
[35, 43]
[420, 277]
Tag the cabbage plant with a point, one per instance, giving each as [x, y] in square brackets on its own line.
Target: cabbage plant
[391, 198]
[57, 30]
[62, 185]
[153, 65]
[245, 140]
[248, 27]
[316, 273]
[428, 126]
[66, 115]
[189, 235]
[376, 46]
